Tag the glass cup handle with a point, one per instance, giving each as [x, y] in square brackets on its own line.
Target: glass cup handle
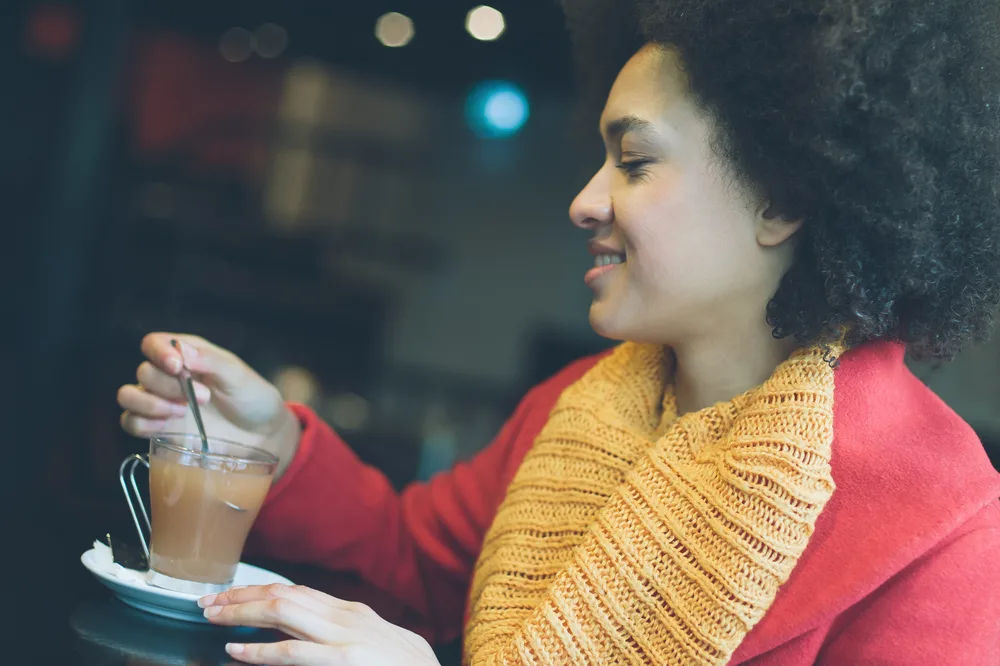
[128, 467]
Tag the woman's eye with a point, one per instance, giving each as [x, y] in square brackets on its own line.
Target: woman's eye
[633, 169]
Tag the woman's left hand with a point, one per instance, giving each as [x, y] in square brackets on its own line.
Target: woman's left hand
[330, 631]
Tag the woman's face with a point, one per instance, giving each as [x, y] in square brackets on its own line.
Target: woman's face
[681, 250]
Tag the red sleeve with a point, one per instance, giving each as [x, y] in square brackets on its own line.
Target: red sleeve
[942, 609]
[417, 547]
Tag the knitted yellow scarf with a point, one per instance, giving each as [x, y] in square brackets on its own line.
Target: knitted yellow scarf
[632, 536]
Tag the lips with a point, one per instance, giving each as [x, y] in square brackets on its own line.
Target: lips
[606, 252]
[607, 258]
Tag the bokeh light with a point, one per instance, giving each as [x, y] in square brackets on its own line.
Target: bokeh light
[272, 40]
[485, 23]
[237, 44]
[497, 109]
[394, 29]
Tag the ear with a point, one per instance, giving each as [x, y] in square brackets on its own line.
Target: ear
[773, 229]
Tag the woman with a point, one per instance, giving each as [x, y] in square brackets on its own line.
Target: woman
[794, 194]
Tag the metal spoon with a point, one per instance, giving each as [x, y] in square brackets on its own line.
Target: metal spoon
[187, 388]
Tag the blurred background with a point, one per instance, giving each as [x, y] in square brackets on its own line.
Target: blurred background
[367, 201]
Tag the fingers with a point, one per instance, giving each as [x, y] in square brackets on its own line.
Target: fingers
[145, 413]
[215, 365]
[281, 614]
[308, 598]
[159, 383]
[139, 426]
[286, 653]
[255, 592]
[139, 401]
[348, 633]
[157, 348]
[149, 405]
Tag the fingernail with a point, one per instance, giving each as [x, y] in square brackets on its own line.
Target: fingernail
[180, 410]
[173, 364]
[207, 600]
[234, 648]
[202, 393]
[212, 611]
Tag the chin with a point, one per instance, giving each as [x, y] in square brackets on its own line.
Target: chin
[605, 323]
[614, 324]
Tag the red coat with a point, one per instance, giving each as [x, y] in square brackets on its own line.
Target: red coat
[903, 568]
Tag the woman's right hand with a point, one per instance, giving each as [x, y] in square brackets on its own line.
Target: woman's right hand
[236, 402]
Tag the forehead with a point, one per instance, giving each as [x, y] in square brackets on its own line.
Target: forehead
[651, 84]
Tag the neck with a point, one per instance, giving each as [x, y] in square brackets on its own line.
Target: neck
[713, 370]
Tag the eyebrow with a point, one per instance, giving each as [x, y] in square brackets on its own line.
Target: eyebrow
[619, 127]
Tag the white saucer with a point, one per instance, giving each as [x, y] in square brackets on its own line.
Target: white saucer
[131, 586]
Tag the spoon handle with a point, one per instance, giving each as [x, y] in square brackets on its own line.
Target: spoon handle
[187, 388]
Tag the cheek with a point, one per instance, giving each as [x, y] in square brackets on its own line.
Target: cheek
[646, 217]
[661, 234]
[657, 263]
[682, 246]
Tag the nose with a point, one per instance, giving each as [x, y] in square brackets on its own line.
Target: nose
[593, 207]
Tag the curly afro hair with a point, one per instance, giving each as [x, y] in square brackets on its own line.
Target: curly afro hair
[874, 121]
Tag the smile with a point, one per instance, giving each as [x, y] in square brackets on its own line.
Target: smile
[607, 259]
[603, 263]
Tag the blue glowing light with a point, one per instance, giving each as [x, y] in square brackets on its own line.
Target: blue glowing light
[496, 109]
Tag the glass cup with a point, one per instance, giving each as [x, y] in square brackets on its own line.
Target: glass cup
[202, 507]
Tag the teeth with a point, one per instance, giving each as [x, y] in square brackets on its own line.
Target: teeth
[605, 259]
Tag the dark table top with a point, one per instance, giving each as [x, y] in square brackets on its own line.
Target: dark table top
[65, 616]
[106, 632]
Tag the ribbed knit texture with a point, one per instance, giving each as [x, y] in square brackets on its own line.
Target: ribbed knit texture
[632, 536]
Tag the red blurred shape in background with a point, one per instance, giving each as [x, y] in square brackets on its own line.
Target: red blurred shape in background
[53, 31]
[189, 102]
